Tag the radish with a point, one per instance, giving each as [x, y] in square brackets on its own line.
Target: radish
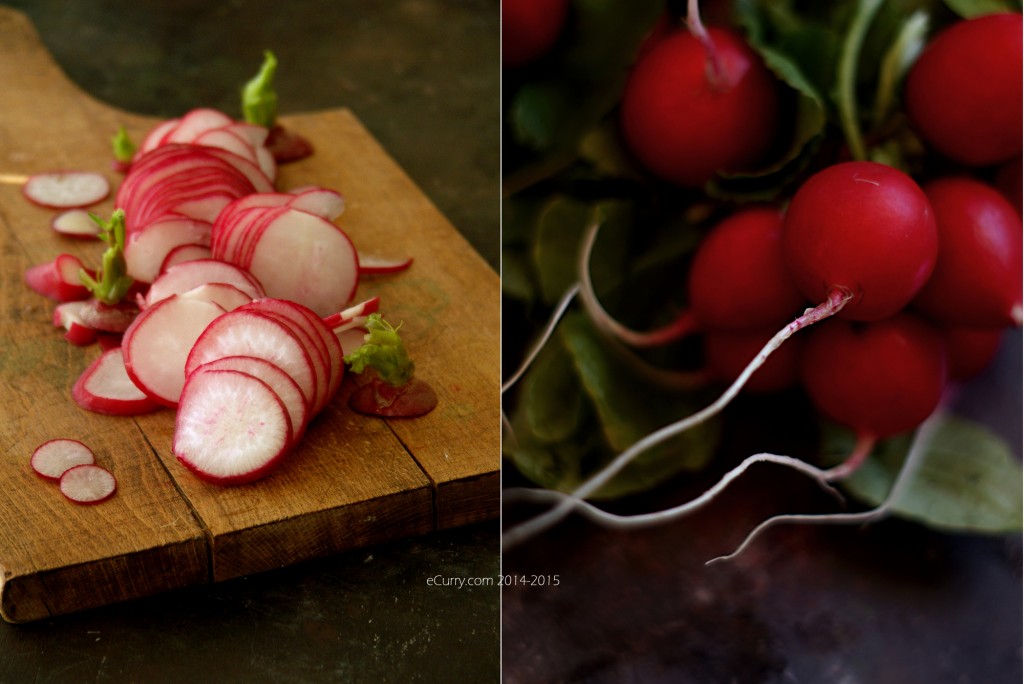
[369, 265]
[727, 353]
[191, 274]
[529, 29]
[183, 253]
[146, 250]
[52, 458]
[87, 484]
[259, 107]
[230, 428]
[58, 279]
[66, 189]
[227, 297]
[969, 351]
[977, 277]
[77, 223]
[686, 108]
[159, 341]
[111, 318]
[964, 93]
[68, 316]
[105, 387]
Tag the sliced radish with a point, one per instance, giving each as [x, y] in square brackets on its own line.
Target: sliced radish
[183, 253]
[66, 189]
[76, 223]
[287, 145]
[351, 338]
[111, 318]
[231, 427]
[52, 458]
[190, 274]
[146, 250]
[157, 345]
[341, 319]
[377, 398]
[195, 123]
[370, 265]
[87, 484]
[58, 279]
[227, 297]
[105, 387]
[320, 201]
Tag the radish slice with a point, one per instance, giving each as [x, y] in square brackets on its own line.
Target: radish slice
[69, 317]
[370, 265]
[112, 318]
[230, 427]
[76, 223]
[190, 274]
[183, 253]
[227, 297]
[377, 398]
[158, 343]
[66, 189]
[58, 279]
[87, 484]
[51, 459]
[105, 387]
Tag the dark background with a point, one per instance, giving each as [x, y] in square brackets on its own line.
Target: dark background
[423, 76]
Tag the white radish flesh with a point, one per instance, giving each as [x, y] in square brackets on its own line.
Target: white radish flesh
[371, 265]
[105, 387]
[227, 297]
[52, 459]
[75, 223]
[183, 253]
[146, 250]
[231, 427]
[190, 274]
[66, 189]
[87, 484]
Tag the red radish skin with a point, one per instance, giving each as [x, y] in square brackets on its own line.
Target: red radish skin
[183, 253]
[88, 484]
[964, 93]
[977, 277]
[66, 189]
[58, 279]
[970, 351]
[529, 29]
[75, 223]
[865, 229]
[686, 126]
[287, 146]
[53, 458]
[231, 428]
[738, 279]
[727, 353]
[105, 387]
[880, 379]
[69, 317]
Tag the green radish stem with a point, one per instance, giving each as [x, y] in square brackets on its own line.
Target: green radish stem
[847, 77]
[911, 464]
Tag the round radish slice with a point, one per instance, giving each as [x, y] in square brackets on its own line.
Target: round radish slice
[66, 189]
[157, 345]
[51, 459]
[76, 223]
[105, 387]
[371, 265]
[227, 297]
[190, 274]
[87, 484]
[231, 427]
[183, 253]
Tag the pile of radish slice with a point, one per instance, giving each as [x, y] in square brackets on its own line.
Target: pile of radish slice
[241, 312]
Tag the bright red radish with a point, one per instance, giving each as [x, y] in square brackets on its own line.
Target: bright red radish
[881, 378]
[230, 428]
[865, 229]
[66, 189]
[738, 279]
[970, 350]
[87, 484]
[964, 93]
[977, 278]
[159, 341]
[76, 223]
[727, 353]
[105, 387]
[687, 122]
[51, 459]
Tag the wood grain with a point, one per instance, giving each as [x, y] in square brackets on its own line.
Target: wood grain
[353, 482]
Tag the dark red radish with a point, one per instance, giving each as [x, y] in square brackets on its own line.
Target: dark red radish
[861, 228]
[66, 189]
[529, 29]
[964, 94]
[87, 484]
[231, 427]
[727, 353]
[977, 277]
[970, 351]
[1009, 180]
[288, 146]
[738, 278]
[59, 279]
[105, 387]
[880, 378]
[377, 398]
[52, 458]
[686, 121]
[158, 343]
[76, 223]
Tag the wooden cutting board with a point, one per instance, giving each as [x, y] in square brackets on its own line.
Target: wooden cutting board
[353, 482]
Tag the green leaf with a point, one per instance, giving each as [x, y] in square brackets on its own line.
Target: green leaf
[976, 8]
[383, 351]
[969, 480]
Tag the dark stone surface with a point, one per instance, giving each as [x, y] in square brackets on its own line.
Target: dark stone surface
[423, 77]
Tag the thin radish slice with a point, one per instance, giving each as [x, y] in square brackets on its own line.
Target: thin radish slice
[320, 201]
[158, 343]
[69, 317]
[195, 123]
[363, 309]
[230, 428]
[183, 253]
[147, 249]
[371, 265]
[76, 223]
[58, 279]
[227, 297]
[351, 339]
[66, 189]
[87, 484]
[105, 387]
[156, 135]
[52, 459]
[112, 318]
[190, 274]
[377, 398]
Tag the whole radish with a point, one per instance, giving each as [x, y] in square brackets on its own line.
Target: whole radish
[865, 229]
[738, 278]
[977, 278]
[529, 29]
[970, 351]
[727, 353]
[964, 94]
[691, 109]
[881, 378]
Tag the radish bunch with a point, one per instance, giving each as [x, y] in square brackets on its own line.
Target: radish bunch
[873, 285]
